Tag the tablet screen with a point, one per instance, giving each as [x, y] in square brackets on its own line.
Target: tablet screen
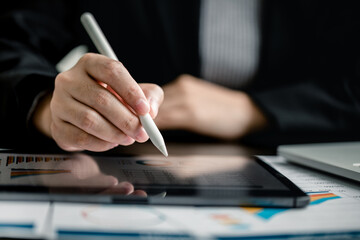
[200, 180]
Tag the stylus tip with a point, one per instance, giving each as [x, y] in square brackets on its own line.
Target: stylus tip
[163, 150]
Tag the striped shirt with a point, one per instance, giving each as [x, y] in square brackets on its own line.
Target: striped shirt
[229, 41]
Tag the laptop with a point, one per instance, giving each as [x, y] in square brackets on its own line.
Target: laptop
[342, 158]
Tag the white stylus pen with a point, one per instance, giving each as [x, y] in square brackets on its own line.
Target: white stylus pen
[103, 46]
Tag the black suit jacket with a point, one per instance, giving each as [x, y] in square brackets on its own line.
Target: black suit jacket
[307, 83]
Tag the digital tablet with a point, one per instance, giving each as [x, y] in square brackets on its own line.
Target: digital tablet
[175, 180]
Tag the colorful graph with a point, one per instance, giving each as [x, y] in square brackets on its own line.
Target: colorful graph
[19, 159]
[30, 159]
[18, 172]
[267, 213]
[322, 197]
[10, 160]
[264, 213]
[229, 221]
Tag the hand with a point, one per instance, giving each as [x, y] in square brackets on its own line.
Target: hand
[82, 115]
[205, 108]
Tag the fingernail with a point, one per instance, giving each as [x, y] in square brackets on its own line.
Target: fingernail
[128, 141]
[142, 107]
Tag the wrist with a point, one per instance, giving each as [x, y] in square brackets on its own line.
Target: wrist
[41, 118]
[255, 119]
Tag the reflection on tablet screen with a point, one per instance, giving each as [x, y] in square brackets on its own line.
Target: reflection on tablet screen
[202, 177]
[87, 171]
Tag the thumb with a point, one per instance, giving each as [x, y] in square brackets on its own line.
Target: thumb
[155, 96]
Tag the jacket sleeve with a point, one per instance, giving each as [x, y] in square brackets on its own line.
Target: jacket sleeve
[311, 110]
[32, 40]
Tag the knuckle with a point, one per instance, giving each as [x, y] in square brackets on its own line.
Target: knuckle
[87, 120]
[128, 124]
[112, 69]
[83, 140]
[133, 92]
[62, 79]
[103, 99]
[86, 57]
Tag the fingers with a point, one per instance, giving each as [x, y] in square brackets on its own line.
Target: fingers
[87, 116]
[71, 138]
[174, 112]
[90, 121]
[139, 193]
[106, 106]
[122, 188]
[125, 188]
[115, 74]
[154, 95]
